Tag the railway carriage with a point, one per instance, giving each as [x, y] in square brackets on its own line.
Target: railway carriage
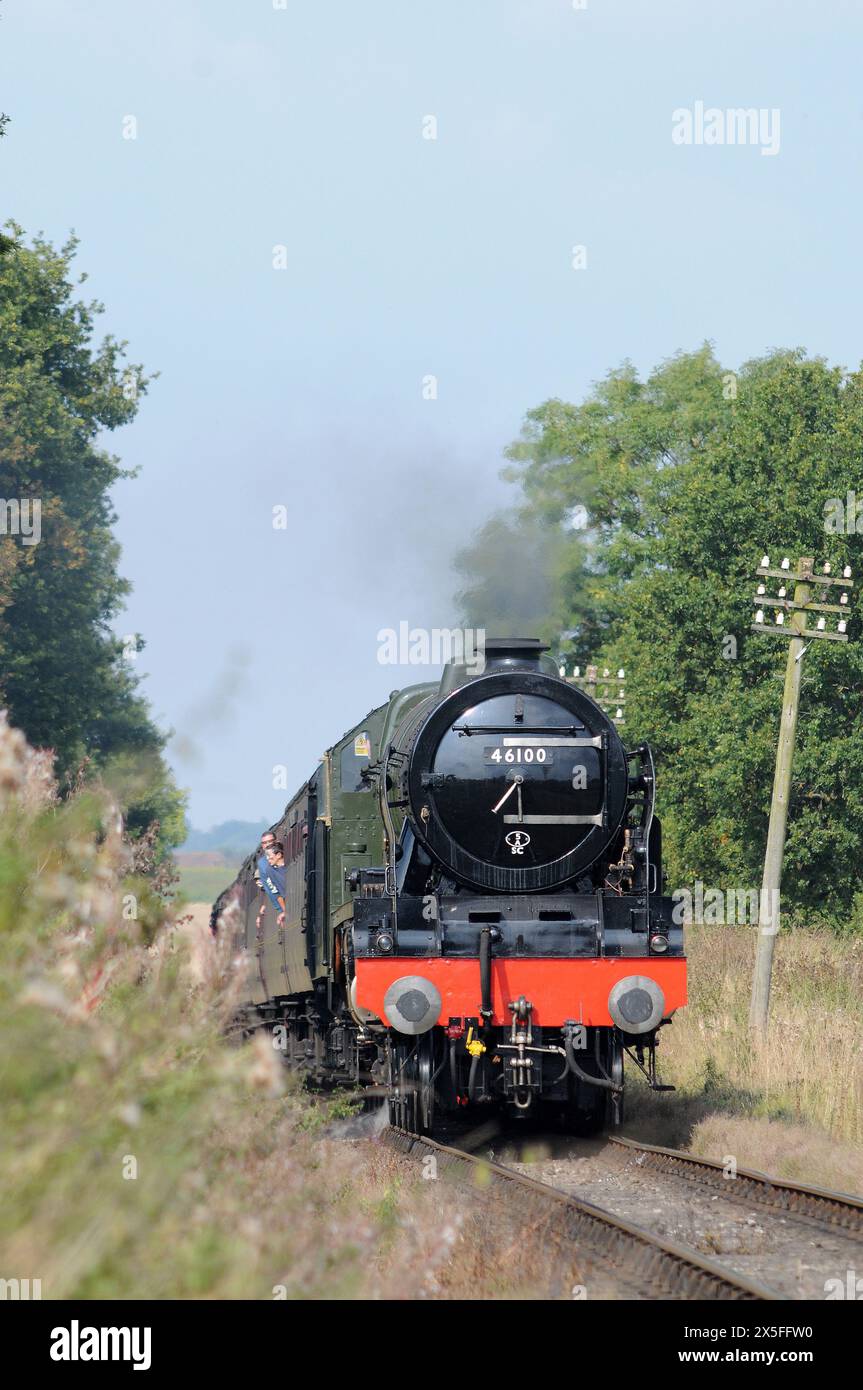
[474, 916]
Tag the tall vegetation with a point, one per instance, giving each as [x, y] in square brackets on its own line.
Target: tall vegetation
[63, 673]
[665, 491]
[792, 1105]
[144, 1156]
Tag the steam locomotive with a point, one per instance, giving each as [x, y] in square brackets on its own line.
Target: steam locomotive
[473, 916]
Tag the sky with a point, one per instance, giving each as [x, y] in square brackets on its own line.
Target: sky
[300, 212]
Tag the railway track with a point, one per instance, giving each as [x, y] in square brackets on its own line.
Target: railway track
[638, 1263]
[827, 1208]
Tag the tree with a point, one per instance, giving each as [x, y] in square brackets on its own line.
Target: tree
[63, 673]
[685, 480]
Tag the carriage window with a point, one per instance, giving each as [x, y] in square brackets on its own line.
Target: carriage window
[356, 755]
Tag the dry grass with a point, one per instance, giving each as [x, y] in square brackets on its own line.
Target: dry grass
[457, 1240]
[792, 1105]
[784, 1149]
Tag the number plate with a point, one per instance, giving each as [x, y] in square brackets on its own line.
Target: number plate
[507, 757]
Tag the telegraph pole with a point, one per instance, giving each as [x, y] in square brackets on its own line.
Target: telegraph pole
[790, 620]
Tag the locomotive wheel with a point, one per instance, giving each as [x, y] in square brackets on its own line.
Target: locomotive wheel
[403, 1097]
[593, 1109]
[614, 1067]
[590, 1118]
[411, 1102]
[425, 1079]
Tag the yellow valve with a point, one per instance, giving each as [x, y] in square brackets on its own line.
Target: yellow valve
[475, 1048]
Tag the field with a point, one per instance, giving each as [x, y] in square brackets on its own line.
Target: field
[204, 883]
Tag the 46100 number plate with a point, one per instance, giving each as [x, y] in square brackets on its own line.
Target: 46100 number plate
[530, 754]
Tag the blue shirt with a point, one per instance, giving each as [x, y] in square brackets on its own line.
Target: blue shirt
[272, 881]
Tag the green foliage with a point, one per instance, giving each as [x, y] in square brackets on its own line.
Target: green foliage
[686, 479]
[63, 675]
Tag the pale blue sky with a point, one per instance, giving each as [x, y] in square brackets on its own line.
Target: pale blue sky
[302, 126]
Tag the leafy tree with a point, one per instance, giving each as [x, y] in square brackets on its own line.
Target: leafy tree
[685, 480]
[63, 675]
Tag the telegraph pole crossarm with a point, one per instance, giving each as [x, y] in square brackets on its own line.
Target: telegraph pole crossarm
[607, 689]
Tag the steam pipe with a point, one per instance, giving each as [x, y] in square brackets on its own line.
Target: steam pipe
[471, 1083]
[485, 975]
[604, 1082]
